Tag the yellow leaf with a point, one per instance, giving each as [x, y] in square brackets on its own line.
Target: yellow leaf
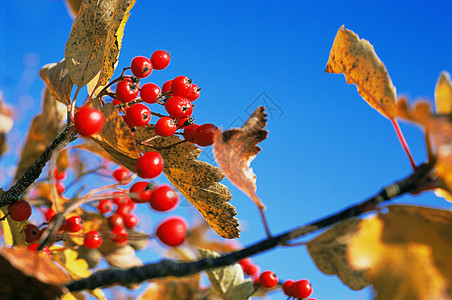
[234, 150]
[57, 79]
[186, 288]
[357, 60]
[89, 38]
[76, 267]
[198, 181]
[443, 94]
[406, 253]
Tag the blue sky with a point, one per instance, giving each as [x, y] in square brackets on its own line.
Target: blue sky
[326, 149]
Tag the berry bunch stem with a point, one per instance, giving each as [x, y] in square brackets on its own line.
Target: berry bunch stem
[414, 183]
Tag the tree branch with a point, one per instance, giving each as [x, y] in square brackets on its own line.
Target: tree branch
[417, 182]
[34, 171]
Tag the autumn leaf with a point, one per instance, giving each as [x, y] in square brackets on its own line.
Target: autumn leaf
[57, 79]
[200, 237]
[73, 7]
[198, 181]
[6, 123]
[228, 281]
[77, 268]
[171, 288]
[357, 60]
[95, 34]
[328, 252]
[234, 150]
[443, 94]
[406, 253]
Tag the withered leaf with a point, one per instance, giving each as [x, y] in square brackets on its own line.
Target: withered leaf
[199, 237]
[73, 7]
[443, 94]
[357, 60]
[406, 252]
[228, 281]
[88, 41]
[234, 150]
[6, 123]
[198, 181]
[57, 79]
[186, 288]
[328, 252]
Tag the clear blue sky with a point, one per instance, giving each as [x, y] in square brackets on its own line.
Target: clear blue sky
[327, 148]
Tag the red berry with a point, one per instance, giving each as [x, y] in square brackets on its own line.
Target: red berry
[141, 66]
[287, 287]
[105, 206]
[59, 175]
[184, 122]
[116, 219]
[164, 198]
[251, 270]
[172, 231]
[179, 107]
[119, 234]
[140, 192]
[32, 233]
[137, 115]
[130, 221]
[49, 214]
[73, 224]
[165, 126]
[19, 210]
[149, 165]
[204, 134]
[60, 187]
[181, 86]
[127, 90]
[93, 240]
[160, 59]
[189, 133]
[121, 174]
[124, 210]
[166, 88]
[120, 198]
[194, 93]
[88, 121]
[34, 247]
[301, 289]
[150, 93]
[268, 279]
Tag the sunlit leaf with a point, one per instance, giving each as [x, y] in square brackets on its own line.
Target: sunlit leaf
[73, 7]
[57, 79]
[228, 281]
[234, 150]
[171, 288]
[443, 94]
[357, 60]
[76, 267]
[198, 181]
[200, 237]
[406, 253]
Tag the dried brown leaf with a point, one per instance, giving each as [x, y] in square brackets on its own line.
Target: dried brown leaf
[6, 123]
[57, 79]
[357, 60]
[198, 181]
[73, 7]
[328, 252]
[234, 150]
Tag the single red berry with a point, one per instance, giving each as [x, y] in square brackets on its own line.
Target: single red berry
[141, 66]
[189, 133]
[166, 88]
[149, 165]
[120, 198]
[88, 121]
[287, 287]
[73, 224]
[164, 198]
[34, 247]
[194, 93]
[105, 206]
[119, 234]
[181, 86]
[160, 59]
[124, 210]
[172, 231]
[301, 289]
[115, 219]
[137, 115]
[32, 233]
[165, 126]
[150, 93]
[60, 187]
[268, 279]
[93, 240]
[130, 221]
[141, 191]
[49, 214]
[59, 175]
[127, 90]
[204, 134]
[121, 174]
[251, 270]
[179, 107]
[19, 210]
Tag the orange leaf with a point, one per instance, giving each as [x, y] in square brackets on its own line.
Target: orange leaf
[186, 288]
[357, 60]
[56, 77]
[443, 94]
[234, 150]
